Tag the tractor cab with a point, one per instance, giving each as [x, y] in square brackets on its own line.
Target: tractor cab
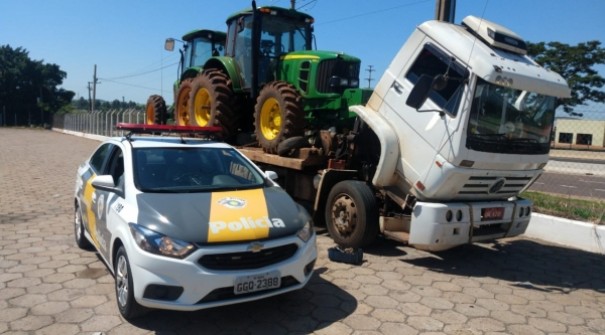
[260, 38]
[199, 46]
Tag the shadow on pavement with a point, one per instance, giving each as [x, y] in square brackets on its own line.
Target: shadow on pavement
[526, 263]
[305, 311]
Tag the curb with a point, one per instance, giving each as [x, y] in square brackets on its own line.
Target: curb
[576, 234]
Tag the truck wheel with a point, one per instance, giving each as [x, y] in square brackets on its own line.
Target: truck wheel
[128, 306]
[181, 110]
[351, 214]
[278, 115]
[210, 102]
[155, 110]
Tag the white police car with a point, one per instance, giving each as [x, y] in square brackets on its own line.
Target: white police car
[189, 223]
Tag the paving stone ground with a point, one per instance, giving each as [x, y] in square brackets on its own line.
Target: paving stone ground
[49, 286]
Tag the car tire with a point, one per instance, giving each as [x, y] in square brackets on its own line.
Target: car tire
[128, 306]
[81, 240]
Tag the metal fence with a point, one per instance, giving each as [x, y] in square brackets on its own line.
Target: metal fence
[98, 123]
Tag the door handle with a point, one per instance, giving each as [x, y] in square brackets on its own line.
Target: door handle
[397, 87]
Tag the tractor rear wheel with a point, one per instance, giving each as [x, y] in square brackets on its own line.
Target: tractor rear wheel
[278, 115]
[181, 110]
[211, 102]
[155, 111]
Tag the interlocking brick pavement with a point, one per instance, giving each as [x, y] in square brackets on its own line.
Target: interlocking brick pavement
[49, 286]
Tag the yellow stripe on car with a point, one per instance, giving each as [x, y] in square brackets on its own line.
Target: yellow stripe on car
[239, 216]
[90, 213]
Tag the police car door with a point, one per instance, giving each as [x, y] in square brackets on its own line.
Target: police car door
[103, 200]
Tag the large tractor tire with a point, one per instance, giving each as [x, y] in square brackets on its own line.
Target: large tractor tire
[278, 115]
[351, 214]
[211, 102]
[181, 103]
[155, 111]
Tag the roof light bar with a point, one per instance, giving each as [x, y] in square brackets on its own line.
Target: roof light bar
[164, 128]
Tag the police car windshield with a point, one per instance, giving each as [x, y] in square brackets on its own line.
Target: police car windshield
[183, 170]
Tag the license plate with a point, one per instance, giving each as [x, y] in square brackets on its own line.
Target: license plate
[255, 283]
[492, 213]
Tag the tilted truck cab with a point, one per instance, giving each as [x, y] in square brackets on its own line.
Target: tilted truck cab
[479, 137]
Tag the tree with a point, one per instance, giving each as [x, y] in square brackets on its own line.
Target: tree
[576, 64]
[29, 90]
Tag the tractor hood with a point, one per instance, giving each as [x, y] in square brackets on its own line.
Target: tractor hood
[317, 55]
[222, 217]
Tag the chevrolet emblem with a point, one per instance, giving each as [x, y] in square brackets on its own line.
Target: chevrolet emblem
[255, 247]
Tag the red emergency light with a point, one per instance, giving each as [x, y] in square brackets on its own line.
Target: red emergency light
[165, 128]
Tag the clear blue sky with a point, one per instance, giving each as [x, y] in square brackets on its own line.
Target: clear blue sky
[125, 39]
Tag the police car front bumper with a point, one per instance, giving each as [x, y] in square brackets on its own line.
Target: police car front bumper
[192, 283]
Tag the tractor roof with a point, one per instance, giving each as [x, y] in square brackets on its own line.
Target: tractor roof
[205, 33]
[278, 11]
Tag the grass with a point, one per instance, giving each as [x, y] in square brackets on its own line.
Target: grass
[587, 210]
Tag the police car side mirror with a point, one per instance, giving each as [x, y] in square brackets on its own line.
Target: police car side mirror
[105, 183]
[271, 175]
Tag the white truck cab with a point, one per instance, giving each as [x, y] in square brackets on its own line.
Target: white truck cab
[464, 119]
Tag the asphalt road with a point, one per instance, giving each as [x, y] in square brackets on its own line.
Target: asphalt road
[574, 185]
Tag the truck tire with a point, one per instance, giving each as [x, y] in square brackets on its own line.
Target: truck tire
[288, 147]
[278, 115]
[155, 110]
[181, 103]
[352, 214]
[211, 102]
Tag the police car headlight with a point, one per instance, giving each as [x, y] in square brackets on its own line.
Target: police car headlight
[306, 231]
[160, 244]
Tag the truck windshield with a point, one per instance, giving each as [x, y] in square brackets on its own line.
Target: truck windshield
[185, 170]
[505, 120]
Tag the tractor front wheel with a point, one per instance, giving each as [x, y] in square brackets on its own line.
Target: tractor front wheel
[181, 110]
[155, 111]
[211, 102]
[278, 115]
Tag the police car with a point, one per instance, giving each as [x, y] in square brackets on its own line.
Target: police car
[189, 223]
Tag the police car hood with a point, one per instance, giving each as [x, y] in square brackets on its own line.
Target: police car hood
[222, 217]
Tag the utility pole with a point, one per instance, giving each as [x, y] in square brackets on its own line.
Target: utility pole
[89, 97]
[95, 80]
[445, 10]
[293, 4]
[370, 69]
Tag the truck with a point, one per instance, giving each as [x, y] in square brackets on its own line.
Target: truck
[198, 46]
[455, 130]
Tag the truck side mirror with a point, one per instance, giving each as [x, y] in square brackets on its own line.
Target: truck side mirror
[420, 92]
[169, 44]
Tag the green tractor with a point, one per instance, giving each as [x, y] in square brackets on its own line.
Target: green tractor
[198, 47]
[272, 83]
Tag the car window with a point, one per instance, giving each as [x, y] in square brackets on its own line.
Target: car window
[99, 157]
[115, 168]
[193, 170]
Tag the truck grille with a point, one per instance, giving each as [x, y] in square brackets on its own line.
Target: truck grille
[490, 185]
[248, 259]
[335, 67]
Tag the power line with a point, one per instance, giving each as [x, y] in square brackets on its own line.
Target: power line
[377, 11]
[141, 73]
[131, 85]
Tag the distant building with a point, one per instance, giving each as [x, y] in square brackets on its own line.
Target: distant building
[576, 133]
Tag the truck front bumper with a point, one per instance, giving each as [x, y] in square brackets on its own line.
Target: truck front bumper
[441, 226]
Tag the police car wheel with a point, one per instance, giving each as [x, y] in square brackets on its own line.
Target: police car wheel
[81, 240]
[128, 306]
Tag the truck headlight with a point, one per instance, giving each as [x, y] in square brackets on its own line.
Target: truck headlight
[159, 244]
[306, 231]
